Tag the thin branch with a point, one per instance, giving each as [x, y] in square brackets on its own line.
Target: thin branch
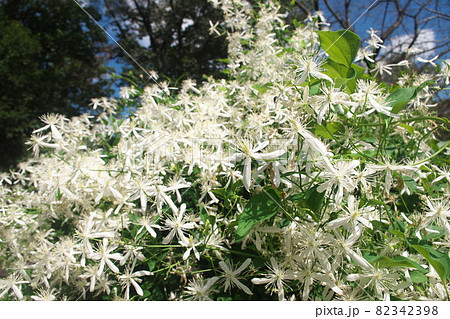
[336, 15]
[117, 23]
[347, 12]
[401, 13]
[303, 7]
[416, 33]
[426, 20]
[439, 13]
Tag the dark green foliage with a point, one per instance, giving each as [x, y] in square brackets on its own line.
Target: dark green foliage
[50, 62]
[260, 207]
[180, 42]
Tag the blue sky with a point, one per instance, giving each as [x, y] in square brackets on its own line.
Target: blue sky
[435, 30]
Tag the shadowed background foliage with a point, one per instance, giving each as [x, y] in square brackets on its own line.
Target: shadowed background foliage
[50, 61]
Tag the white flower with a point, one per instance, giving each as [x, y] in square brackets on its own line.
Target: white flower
[438, 210]
[444, 173]
[431, 61]
[129, 278]
[353, 217]
[53, 121]
[132, 251]
[343, 246]
[389, 168]
[91, 273]
[313, 142]
[230, 276]
[275, 280]
[39, 141]
[199, 290]
[177, 225]
[87, 232]
[12, 282]
[341, 175]
[381, 280]
[213, 28]
[310, 66]
[375, 41]
[126, 92]
[45, 295]
[104, 255]
[331, 98]
[378, 104]
[148, 222]
[191, 244]
[249, 152]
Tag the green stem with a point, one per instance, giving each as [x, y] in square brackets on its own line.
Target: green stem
[435, 154]
[411, 119]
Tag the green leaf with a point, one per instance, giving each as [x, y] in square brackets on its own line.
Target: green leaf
[439, 261]
[398, 234]
[375, 202]
[417, 277]
[433, 235]
[398, 261]
[343, 75]
[314, 199]
[359, 71]
[322, 131]
[334, 127]
[400, 97]
[336, 70]
[424, 84]
[203, 214]
[260, 207]
[311, 201]
[329, 130]
[151, 264]
[355, 72]
[410, 183]
[379, 226]
[262, 88]
[409, 128]
[341, 46]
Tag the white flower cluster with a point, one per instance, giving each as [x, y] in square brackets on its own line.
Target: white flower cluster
[118, 208]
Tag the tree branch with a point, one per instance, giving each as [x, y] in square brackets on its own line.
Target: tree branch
[303, 7]
[347, 12]
[336, 15]
[439, 13]
[401, 13]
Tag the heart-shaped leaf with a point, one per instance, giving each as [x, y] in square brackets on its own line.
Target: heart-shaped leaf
[341, 46]
[260, 207]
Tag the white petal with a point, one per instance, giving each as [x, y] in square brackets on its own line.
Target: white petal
[247, 174]
[137, 287]
[112, 266]
[353, 277]
[260, 281]
[17, 292]
[359, 260]
[142, 273]
[365, 222]
[243, 287]
[224, 266]
[187, 253]
[337, 222]
[268, 156]
[243, 266]
[197, 255]
[260, 146]
[211, 282]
